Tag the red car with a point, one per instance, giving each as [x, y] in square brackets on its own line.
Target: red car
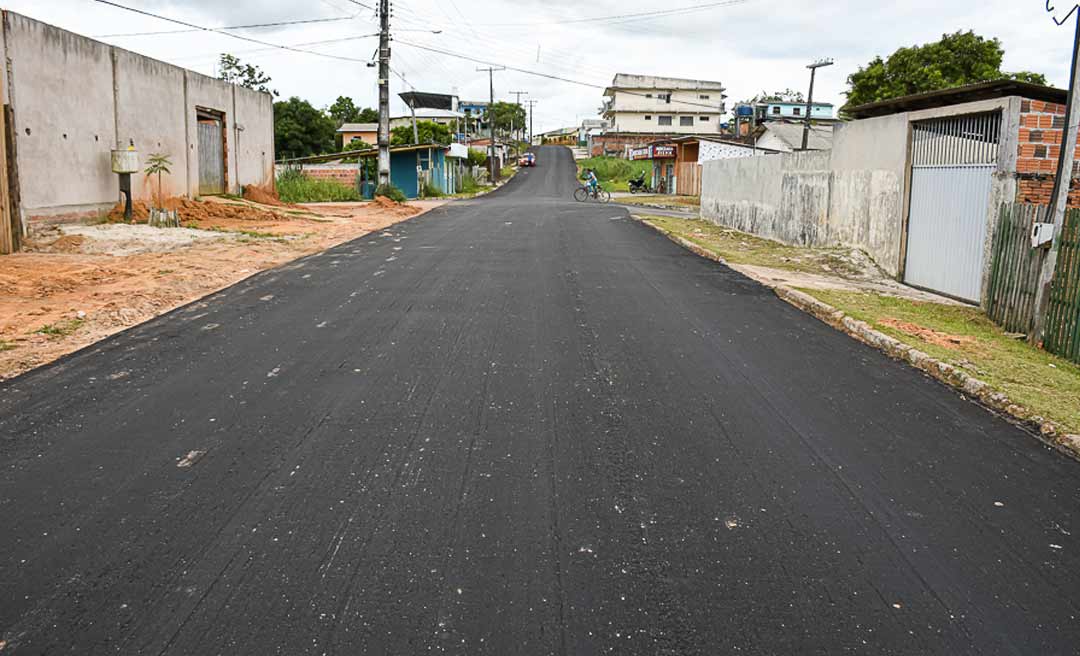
[528, 159]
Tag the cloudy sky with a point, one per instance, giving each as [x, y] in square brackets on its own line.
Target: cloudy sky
[749, 45]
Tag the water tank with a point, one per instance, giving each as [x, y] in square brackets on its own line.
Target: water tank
[744, 110]
[125, 161]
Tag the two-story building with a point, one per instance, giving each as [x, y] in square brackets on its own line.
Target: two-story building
[663, 105]
[365, 132]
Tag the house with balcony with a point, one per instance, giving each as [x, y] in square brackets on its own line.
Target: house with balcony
[651, 105]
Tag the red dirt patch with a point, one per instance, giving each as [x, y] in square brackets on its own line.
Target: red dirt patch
[262, 195]
[928, 334]
[194, 210]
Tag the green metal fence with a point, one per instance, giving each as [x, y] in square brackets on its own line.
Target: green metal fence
[1014, 269]
[1062, 332]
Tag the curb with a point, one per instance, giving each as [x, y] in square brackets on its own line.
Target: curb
[982, 393]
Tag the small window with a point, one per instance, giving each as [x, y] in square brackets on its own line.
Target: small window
[703, 118]
[648, 95]
[666, 97]
[703, 96]
[797, 111]
[648, 118]
[775, 110]
[663, 120]
[686, 120]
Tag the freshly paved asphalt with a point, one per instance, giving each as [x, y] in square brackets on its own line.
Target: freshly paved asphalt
[520, 425]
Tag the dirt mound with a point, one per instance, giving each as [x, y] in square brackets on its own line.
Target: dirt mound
[929, 334]
[262, 195]
[194, 210]
[394, 207]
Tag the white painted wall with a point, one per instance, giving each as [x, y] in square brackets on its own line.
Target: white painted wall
[636, 122]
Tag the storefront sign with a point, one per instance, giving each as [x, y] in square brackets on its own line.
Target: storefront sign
[653, 152]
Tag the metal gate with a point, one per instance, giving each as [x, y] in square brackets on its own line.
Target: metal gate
[211, 157]
[952, 166]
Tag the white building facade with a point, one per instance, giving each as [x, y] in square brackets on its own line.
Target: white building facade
[663, 105]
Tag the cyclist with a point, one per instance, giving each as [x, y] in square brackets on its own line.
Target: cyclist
[591, 183]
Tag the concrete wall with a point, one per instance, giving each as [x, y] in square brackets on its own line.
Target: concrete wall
[854, 195]
[75, 99]
[799, 198]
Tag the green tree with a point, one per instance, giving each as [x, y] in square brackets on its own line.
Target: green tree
[505, 115]
[787, 95]
[231, 69]
[957, 59]
[428, 131]
[301, 130]
[344, 110]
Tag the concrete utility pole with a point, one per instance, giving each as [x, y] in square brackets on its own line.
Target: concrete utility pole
[1059, 198]
[821, 63]
[518, 95]
[490, 118]
[531, 104]
[384, 92]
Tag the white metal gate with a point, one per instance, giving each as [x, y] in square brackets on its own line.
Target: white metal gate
[952, 167]
[211, 157]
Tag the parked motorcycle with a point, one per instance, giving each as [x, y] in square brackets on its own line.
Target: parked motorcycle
[638, 185]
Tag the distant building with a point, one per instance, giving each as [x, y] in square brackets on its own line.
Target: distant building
[366, 132]
[772, 111]
[663, 105]
[561, 137]
[445, 117]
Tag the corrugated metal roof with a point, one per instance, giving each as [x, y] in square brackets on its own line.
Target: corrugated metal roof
[791, 134]
[957, 95]
[359, 127]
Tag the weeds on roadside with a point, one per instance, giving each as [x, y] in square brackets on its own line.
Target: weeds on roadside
[61, 328]
[6, 346]
[294, 186]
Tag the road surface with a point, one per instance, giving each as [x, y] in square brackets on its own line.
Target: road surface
[519, 425]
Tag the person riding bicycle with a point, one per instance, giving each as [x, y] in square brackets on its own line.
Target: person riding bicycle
[591, 182]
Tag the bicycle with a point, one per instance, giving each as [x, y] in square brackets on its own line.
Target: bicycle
[583, 193]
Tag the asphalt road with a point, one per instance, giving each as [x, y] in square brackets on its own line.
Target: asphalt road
[519, 425]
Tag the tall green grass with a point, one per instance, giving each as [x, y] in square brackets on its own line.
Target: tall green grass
[613, 172]
[293, 186]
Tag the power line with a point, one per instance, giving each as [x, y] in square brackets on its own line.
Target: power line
[545, 75]
[230, 27]
[228, 34]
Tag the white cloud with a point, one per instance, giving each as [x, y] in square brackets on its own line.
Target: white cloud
[754, 46]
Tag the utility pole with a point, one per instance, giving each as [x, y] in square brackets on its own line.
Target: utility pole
[518, 95]
[491, 118]
[384, 92]
[1059, 198]
[531, 104]
[821, 63]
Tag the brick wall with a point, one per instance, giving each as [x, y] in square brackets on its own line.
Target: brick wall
[1041, 128]
[615, 143]
[344, 175]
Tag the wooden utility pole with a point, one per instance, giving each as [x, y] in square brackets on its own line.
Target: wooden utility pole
[1059, 198]
[491, 119]
[810, 99]
[384, 92]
